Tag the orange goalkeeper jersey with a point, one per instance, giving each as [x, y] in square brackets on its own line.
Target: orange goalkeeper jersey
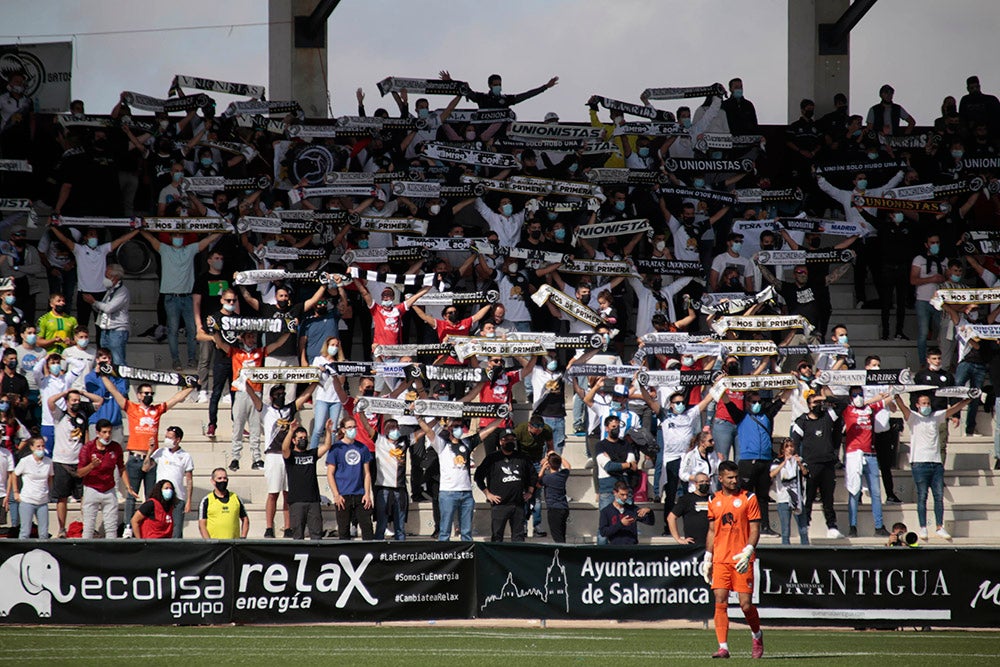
[731, 517]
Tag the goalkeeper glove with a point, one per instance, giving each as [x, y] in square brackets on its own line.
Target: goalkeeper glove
[743, 559]
[706, 568]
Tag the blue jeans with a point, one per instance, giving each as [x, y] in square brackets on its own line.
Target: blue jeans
[392, 504]
[785, 521]
[976, 373]
[115, 340]
[925, 315]
[178, 308]
[40, 513]
[49, 433]
[579, 415]
[535, 504]
[136, 477]
[452, 503]
[724, 434]
[870, 474]
[558, 426]
[321, 412]
[929, 475]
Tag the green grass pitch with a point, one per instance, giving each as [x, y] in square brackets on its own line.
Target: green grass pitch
[441, 646]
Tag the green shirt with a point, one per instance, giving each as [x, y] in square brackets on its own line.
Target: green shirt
[58, 327]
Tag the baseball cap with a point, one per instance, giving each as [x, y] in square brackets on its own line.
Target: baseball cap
[536, 422]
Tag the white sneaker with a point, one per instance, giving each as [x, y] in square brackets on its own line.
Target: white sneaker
[203, 396]
[127, 534]
[943, 534]
[834, 534]
[922, 533]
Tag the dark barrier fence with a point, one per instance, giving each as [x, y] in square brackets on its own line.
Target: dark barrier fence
[135, 582]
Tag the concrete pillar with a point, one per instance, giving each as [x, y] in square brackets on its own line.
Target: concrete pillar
[817, 77]
[295, 73]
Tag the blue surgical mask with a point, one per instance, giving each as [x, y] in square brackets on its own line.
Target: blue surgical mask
[616, 406]
[331, 350]
[31, 339]
[678, 408]
[738, 93]
[552, 215]
[177, 176]
[423, 113]
[363, 244]
[39, 453]
[393, 434]
[957, 154]
[955, 279]
[842, 339]
[387, 303]
[925, 410]
[573, 167]
[83, 343]
[495, 90]
[737, 246]
[4, 406]
[92, 242]
[934, 248]
[872, 156]
[206, 162]
[177, 241]
[552, 365]
[9, 299]
[55, 369]
[167, 493]
[897, 217]
[457, 433]
[686, 122]
[644, 151]
[620, 205]
[755, 408]
[862, 183]
[507, 210]
[351, 433]
[699, 182]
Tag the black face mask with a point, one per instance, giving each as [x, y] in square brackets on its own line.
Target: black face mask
[495, 374]
[814, 243]
[507, 447]
[301, 444]
[451, 317]
[703, 488]
[12, 364]
[733, 369]
[147, 400]
[370, 391]
[60, 309]
[222, 486]
[320, 310]
[283, 305]
[709, 450]
[535, 234]
[614, 433]
[817, 409]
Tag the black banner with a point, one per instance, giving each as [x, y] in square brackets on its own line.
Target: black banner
[537, 581]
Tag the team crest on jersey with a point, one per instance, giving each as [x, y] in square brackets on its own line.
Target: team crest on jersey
[737, 503]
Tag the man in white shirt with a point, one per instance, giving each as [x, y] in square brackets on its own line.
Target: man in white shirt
[927, 273]
[174, 464]
[731, 259]
[503, 220]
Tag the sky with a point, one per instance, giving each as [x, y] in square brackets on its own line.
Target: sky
[925, 48]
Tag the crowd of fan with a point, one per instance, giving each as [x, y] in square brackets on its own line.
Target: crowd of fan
[56, 401]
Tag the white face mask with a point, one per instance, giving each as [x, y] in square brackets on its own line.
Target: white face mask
[660, 245]
[435, 209]
[858, 401]
[169, 442]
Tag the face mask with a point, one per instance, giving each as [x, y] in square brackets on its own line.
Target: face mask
[872, 156]
[91, 242]
[164, 124]
[737, 246]
[897, 217]
[559, 234]
[507, 210]
[733, 369]
[177, 242]
[39, 453]
[169, 442]
[229, 307]
[933, 366]
[423, 113]
[755, 408]
[222, 486]
[215, 264]
[17, 90]
[699, 182]
[83, 343]
[301, 444]
[573, 167]
[387, 303]
[934, 248]
[176, 176]
[738, 93]
[955, 279]
[686, 122]
[644, 151]
[678, 408]
[55, 369]
[703, 488]
[370, 391]
[61, 309]
[495, 90]
[107, 282]
[620, 205]
[659, 246]
[957, 154]
[393, 434]
[30, 339]
[491, 334]
[616, 406]
[470, 135]
[535, 234]
[168, 493]
[4, 407]
[858, 401]
[512, 268]
[973, 316]
[875, 368]
[709, 449]
[856, 133]
[607, 338]
[9, 299]
[687, 360]
[552, 365]
[862, 183]
[350, 433]
[147, 400]
[434, 209]
[925, 410]
[283, 304]
[331, 350]
[614, 433]
[842, 339]
[817, 409]
[206, 162]
[507, 446]
[12, 364]
[363, 244]
[814, 243]
[457, 432]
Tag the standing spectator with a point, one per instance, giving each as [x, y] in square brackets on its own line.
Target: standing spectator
[535, 441]
[176, 466]
[391, 501]
[927, 272]
[113, 319]
[55, 328]
[884, 117]
[935, 374]
[51, 380]
[787, 473]
[861, 462]
[11, 316]
[144, 429]
[91, 266]
[617, 521]
[740, 112]
[222, 515]
[303, 489]
[276, 418]
[209, 285]
[24, 263]
[222, 367]
[350, 480]
[328, 398]
[972, 368]
[245, 354]
[70, 434]
[812, 434]
[98, 461]
[315, 330]
[28, 355]
[8, 483]
[110, 409]
[701, 458]
[154, 519]
[926, 460]
[36, 476]
[176, 285]
[80, 355]
[508, 479]
[693, 508]
[553, 477]
[548, 387]
[978, 107]
[616, 463]
[14, 385]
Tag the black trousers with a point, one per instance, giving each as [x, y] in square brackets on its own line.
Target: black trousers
[670, 484]
[886, 446]
[893, 278]
[354, 509]
[755, 476]
[501, 515]
[305, 515]
[557, 524]
[822, 478]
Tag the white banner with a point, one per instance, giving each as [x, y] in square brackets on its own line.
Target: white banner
[48, 71]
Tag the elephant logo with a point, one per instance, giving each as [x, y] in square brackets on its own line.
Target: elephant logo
[31, 578]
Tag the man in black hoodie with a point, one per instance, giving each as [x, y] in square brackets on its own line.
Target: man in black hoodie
[508, 478]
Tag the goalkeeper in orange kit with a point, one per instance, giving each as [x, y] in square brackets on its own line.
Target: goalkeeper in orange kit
[733, 531]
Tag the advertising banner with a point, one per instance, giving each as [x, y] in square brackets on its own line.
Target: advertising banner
[47, 70]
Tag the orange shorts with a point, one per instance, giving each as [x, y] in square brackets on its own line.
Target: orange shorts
[726, 577]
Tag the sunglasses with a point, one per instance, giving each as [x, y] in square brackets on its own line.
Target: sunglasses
[229, 301]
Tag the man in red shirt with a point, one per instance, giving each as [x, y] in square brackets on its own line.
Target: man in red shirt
[387, 314]
[451, 325]
[143, 428]
[860, 461]
[499, 388]
[98, 460]
[733, 532]
[246, 354]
